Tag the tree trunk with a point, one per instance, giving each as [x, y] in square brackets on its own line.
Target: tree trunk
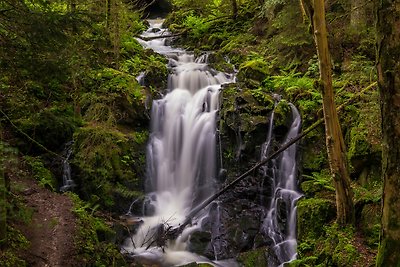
[334, 139]
[3, 190]
[388, 68]
[234, 8]
[3, 209]
[108, 14]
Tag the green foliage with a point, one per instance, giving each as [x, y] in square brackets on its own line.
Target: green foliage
[317, 183]
[51, 127]
[16, 243]
[93, 241]
[197, 26]
[40, 172]
[253, 258]
[253, 71]
[312, 215]
[118, 98]
[334, 246]
[109, 162]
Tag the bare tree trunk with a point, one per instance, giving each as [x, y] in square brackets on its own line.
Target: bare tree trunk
[334, 139]
[388, 67]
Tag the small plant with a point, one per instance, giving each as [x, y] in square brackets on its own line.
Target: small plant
[41, 173]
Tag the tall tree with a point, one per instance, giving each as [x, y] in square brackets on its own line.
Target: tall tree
[334, 138]
[388, 68]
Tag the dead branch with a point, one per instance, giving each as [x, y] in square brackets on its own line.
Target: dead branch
[161, 36]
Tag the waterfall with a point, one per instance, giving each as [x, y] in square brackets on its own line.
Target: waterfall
[68, 183]
[181, 153]
[279, 224]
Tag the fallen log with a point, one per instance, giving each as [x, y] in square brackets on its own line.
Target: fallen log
[160, 36]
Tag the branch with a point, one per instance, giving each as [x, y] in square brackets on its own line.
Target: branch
[160, 36]
[30, 138]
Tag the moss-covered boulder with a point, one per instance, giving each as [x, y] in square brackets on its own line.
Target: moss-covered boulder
[117, 98]
[252, 72]
[109, 165]
[253, 258]
[312, 215]
[244, 120]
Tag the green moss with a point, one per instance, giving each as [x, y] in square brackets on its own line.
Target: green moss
[110, 163]
[41, 173]
[312, 215]
[253, 258]
[388, 253]
[252, 72]
[51, 127]
[283, 113]
[317, 183]
[94, 240]
[16, 243]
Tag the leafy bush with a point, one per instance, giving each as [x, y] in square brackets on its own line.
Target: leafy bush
[41, 173]
[94, 239]
[197, 26]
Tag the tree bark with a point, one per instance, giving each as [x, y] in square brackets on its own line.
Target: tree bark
[3, 191]
[3, 209]
[388, 68]
[234, 8]
[108, 14]
[334, 139]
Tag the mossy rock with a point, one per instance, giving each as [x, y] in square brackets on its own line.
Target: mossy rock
[252, 72]
[109, 164]
[370, 223]
[94, 240]
[254, 258]
[117, 99]
[312, 215]
[304, 262]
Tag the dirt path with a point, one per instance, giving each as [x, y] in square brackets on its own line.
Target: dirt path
[52, 228]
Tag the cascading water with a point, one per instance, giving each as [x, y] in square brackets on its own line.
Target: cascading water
[181, 157]
[279, 223]
[68, 183]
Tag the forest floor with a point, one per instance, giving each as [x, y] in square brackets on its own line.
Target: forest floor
[367, 255]
[52, 226]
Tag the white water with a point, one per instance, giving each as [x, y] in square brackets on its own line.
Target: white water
[181, 156]
[282, 174]
[68, 183]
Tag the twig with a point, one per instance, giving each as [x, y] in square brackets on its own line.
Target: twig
[30, 138]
